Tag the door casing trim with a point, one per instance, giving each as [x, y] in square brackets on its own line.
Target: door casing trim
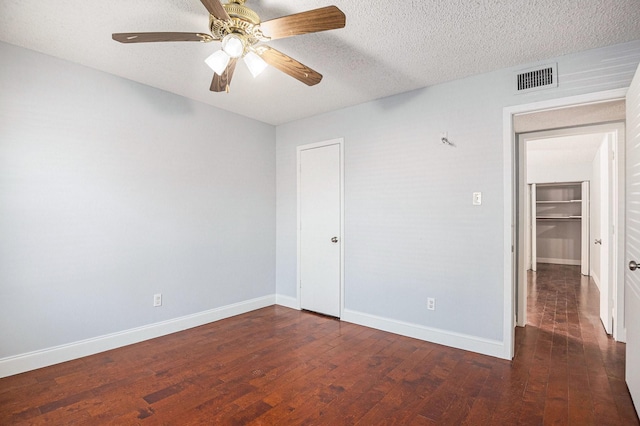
[510, 200]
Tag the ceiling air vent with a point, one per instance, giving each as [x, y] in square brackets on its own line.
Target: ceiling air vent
[537, 78]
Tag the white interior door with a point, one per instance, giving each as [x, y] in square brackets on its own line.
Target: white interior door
[585, 240]
[605, 240]
[534, 228]
[320, 233]
[632, 249]
[618, 234]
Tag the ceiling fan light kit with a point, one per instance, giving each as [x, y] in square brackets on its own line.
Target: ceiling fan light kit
[242, 35]
[255, 63]
[218, 61]
[233, 45]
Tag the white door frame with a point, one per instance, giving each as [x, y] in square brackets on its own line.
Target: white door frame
[510, 163]
[299, 149]
[613, 130]
[617, 215]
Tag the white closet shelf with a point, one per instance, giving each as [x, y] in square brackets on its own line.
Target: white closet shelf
[558, 217]
[559, 221]
[558, 202]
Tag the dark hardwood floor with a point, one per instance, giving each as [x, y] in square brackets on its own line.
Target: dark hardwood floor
[280, 366]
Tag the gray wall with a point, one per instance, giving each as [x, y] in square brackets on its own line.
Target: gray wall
[111, 191]
[411, 231]
[566, 173]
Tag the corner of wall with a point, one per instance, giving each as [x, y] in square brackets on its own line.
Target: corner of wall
[55, 355]
[287, 301]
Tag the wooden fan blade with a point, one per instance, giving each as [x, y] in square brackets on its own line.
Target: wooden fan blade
[289, 66]
[312, 21]
[153, 37]
[215, 8]
[220, 83]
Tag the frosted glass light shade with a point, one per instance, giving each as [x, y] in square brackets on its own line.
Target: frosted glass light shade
[233, 45]
[255, 63]
[218, 61]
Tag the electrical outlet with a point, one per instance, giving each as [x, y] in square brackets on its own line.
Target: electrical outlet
[477, 198]
[157, 299]
[431, 304]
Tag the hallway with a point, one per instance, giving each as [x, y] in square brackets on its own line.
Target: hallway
[576, 371]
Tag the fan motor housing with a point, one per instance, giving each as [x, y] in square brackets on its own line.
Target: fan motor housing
[243, 21]
[242, 12]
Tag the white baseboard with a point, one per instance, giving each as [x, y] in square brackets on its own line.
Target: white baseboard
[622, 337]
[456, 340]
[55, 355]
[42, 358]
[573, 262]
[287, 301]
[595, 279]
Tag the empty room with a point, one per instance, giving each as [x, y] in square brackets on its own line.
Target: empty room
[274, 212]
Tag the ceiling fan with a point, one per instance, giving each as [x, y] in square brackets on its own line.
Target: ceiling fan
[241, 32]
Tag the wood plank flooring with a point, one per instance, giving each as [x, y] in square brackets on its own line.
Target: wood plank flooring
[280, 366]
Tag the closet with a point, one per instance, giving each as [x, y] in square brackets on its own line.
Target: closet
[560, 224]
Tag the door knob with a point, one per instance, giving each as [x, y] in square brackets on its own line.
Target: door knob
[633, 265]
[334, 240]
[598, 242]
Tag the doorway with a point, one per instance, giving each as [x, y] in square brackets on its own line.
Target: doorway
[557, 161]
[513, 250]
[320, 227]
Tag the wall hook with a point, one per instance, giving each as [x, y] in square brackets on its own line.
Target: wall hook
[447, 141]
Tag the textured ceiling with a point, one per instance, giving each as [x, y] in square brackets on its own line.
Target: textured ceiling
[387, 47]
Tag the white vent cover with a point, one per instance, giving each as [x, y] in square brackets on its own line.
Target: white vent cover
[537, 78]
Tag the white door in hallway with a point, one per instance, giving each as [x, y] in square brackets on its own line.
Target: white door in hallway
[320, 227]
[534, 230]
[632, 278]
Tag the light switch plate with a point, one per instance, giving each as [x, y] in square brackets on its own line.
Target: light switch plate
[477, 198]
